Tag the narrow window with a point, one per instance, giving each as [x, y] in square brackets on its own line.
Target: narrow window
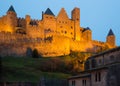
[99, 76]
[65, 32]
[73, 83]
[95, 77]
[93, 63]
[83, 82]
[61, 26]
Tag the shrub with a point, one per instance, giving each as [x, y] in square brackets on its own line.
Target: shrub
[0, 68]
[29, 52]
[35, 53]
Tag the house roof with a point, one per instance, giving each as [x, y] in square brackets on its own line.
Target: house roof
[80, 76]
[85, 29]
[49, 12]
[11, 8]
[107, 51]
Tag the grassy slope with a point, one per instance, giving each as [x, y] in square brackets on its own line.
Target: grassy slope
[26, 69]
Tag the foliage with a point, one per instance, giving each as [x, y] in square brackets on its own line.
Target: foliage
[101, 49]
[31, 69]
[28, 69]
[35, 53]
[29, 52]
[0, 68]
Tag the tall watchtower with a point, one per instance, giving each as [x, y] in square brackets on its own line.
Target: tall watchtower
[11, 19]
[111, 38]
[76, 19]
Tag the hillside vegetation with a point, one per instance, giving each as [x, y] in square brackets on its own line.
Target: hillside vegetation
[32, 69]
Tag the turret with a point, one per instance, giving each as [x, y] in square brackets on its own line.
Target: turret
[76, 19]
[49, 21]
[76, 15]
[48, 14]
[28, 19]
[110, 40]
[11, 21]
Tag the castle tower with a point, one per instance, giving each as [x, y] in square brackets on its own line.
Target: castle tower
[11, 21]
[76, 19]
[28, 19]
[111, 39]
[49, 22]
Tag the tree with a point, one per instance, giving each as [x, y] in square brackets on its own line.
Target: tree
[35, 53]
[0, 68]
[29, 52]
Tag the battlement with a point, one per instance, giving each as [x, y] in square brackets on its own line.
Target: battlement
[99, 43]
[51, 36]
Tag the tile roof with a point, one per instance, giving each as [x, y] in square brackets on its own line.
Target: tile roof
[49, 12]
[110, 33]
[11, 9]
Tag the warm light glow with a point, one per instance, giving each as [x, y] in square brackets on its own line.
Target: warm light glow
[8, 29]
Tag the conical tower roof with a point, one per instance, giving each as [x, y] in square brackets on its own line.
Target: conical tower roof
[11, 9]
[110, 32]
[49, 12]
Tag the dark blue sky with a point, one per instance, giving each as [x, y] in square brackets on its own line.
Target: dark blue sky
[99, 15]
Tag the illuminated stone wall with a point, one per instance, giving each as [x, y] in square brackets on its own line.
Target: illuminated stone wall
[51, 36]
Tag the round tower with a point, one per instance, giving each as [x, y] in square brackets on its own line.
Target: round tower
[110, 40]
[11, 21]
[28, 19]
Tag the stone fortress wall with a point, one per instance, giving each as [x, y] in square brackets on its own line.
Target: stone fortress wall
[51, 36]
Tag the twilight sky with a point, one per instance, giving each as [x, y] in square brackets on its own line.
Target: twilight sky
[99, 15]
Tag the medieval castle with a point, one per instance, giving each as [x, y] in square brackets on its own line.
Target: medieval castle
[51, 36]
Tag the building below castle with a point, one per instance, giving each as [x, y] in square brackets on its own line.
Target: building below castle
[51, 36]
[100, 70]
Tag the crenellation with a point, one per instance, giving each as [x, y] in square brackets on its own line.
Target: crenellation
[51, 36]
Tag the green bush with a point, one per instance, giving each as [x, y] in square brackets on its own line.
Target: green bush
[35, 53]
[0, 68]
